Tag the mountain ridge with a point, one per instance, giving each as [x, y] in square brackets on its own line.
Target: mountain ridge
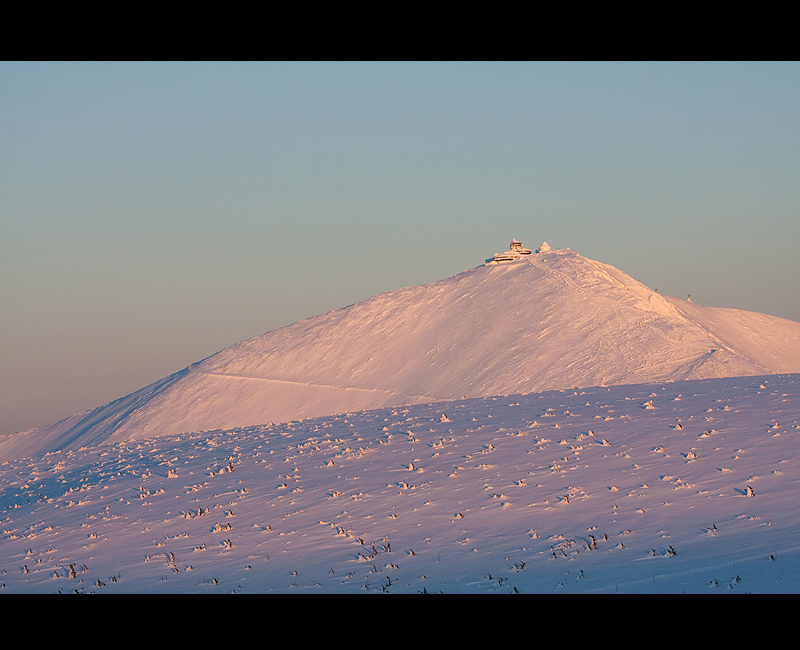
[549, 320]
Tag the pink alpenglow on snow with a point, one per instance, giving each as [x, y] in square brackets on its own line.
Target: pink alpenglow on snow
[573, 491]
[522, 322]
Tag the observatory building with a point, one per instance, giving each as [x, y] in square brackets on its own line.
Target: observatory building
[515, 251]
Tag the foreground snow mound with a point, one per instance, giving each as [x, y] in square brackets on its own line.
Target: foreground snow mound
[542, 321]
[687, 487]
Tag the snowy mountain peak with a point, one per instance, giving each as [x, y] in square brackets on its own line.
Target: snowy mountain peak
[540, 322]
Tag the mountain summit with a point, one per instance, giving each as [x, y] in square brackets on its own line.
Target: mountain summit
[522, 322]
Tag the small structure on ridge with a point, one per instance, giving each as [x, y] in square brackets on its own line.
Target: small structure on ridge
[515, 251]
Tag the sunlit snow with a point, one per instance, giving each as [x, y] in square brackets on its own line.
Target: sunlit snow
[684, 487]
[547, 320]
[542, 423]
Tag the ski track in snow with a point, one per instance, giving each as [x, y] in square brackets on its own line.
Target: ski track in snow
[629, 489]
[292, 382]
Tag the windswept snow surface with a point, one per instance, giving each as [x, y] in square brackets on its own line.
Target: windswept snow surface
[550, 320]
[689, 486]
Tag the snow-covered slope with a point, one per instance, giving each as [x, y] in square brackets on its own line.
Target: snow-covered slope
[543, 321]
[689, 486]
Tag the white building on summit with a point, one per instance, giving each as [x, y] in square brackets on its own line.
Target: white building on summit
[515, 251]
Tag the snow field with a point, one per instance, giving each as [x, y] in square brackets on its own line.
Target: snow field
[629, 489]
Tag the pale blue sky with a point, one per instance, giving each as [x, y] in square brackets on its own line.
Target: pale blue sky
[153, 213]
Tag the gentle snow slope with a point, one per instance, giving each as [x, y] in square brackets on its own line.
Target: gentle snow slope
[689, 486]
[551, 320]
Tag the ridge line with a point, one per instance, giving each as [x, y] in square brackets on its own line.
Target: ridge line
[686, 320]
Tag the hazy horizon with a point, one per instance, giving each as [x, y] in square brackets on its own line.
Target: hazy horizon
[155, 213]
